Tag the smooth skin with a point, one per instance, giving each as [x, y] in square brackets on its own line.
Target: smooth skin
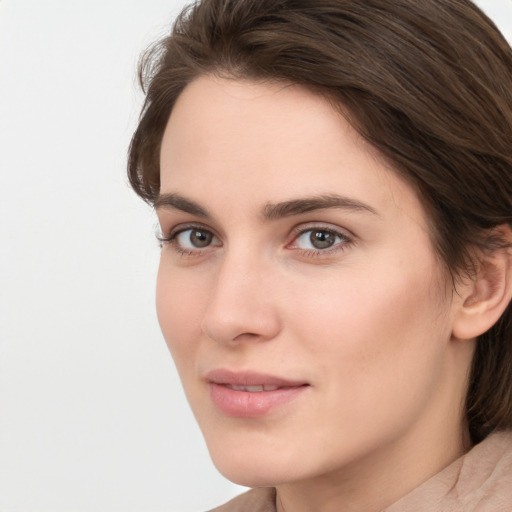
[348, 296]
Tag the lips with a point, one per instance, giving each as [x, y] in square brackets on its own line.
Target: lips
[252, 389]
[251, 394]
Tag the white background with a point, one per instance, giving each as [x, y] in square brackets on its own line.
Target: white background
[92, 415]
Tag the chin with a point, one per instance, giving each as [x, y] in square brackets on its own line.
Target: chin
[248, 477]
[243, 466]
[255, 465]
[249, 474]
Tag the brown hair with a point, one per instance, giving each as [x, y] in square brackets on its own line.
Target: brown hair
[428, 83]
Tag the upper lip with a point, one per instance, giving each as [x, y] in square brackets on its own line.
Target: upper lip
[249, 378]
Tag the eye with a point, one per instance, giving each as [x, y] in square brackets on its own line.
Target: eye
[319, 240]
[194, 238]
[191, 240]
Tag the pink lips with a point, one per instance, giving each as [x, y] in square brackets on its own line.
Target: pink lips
[250, 394]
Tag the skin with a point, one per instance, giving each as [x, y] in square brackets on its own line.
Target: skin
[366, 322]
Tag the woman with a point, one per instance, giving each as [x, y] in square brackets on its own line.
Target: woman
[332, 181]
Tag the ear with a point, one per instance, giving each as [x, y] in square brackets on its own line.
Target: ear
[484, 299]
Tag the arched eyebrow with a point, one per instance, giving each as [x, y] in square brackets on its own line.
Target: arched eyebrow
[271, 211]
[177, 202]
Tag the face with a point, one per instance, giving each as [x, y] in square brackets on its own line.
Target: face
[298, 290]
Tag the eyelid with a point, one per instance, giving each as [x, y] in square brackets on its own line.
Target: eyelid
[299, 230]
[178, 228]
[172, 234]
[309, 226]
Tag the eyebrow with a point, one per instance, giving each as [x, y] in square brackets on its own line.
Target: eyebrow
[308, 204]
[271, 211]
[177, 202]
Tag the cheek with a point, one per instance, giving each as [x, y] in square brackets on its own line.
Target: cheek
[179, 310]
[376, 326]
[377, 346]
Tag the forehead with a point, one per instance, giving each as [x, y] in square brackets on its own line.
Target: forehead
[251, 142]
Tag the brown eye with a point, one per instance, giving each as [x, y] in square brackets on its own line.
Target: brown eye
[194, 238]
[200, 239]
[321, 239]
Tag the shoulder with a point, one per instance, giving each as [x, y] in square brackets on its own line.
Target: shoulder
[485, 475]
[261, 499]
[478, 481]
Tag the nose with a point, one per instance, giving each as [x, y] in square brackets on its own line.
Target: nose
[242, 305]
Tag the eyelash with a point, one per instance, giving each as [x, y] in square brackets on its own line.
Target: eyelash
[343, 244]
[171, 239]
[298, 232]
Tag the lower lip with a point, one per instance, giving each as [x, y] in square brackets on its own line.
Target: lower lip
[247, 404]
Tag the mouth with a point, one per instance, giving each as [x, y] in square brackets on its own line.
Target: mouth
[251, 394]
[252, 389]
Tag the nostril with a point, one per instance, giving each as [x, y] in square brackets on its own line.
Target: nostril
[241, 327]
[246, 335]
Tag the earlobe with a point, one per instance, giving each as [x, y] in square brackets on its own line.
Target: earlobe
[485, 298]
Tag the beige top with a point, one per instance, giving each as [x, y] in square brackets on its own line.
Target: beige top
[480, 481]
